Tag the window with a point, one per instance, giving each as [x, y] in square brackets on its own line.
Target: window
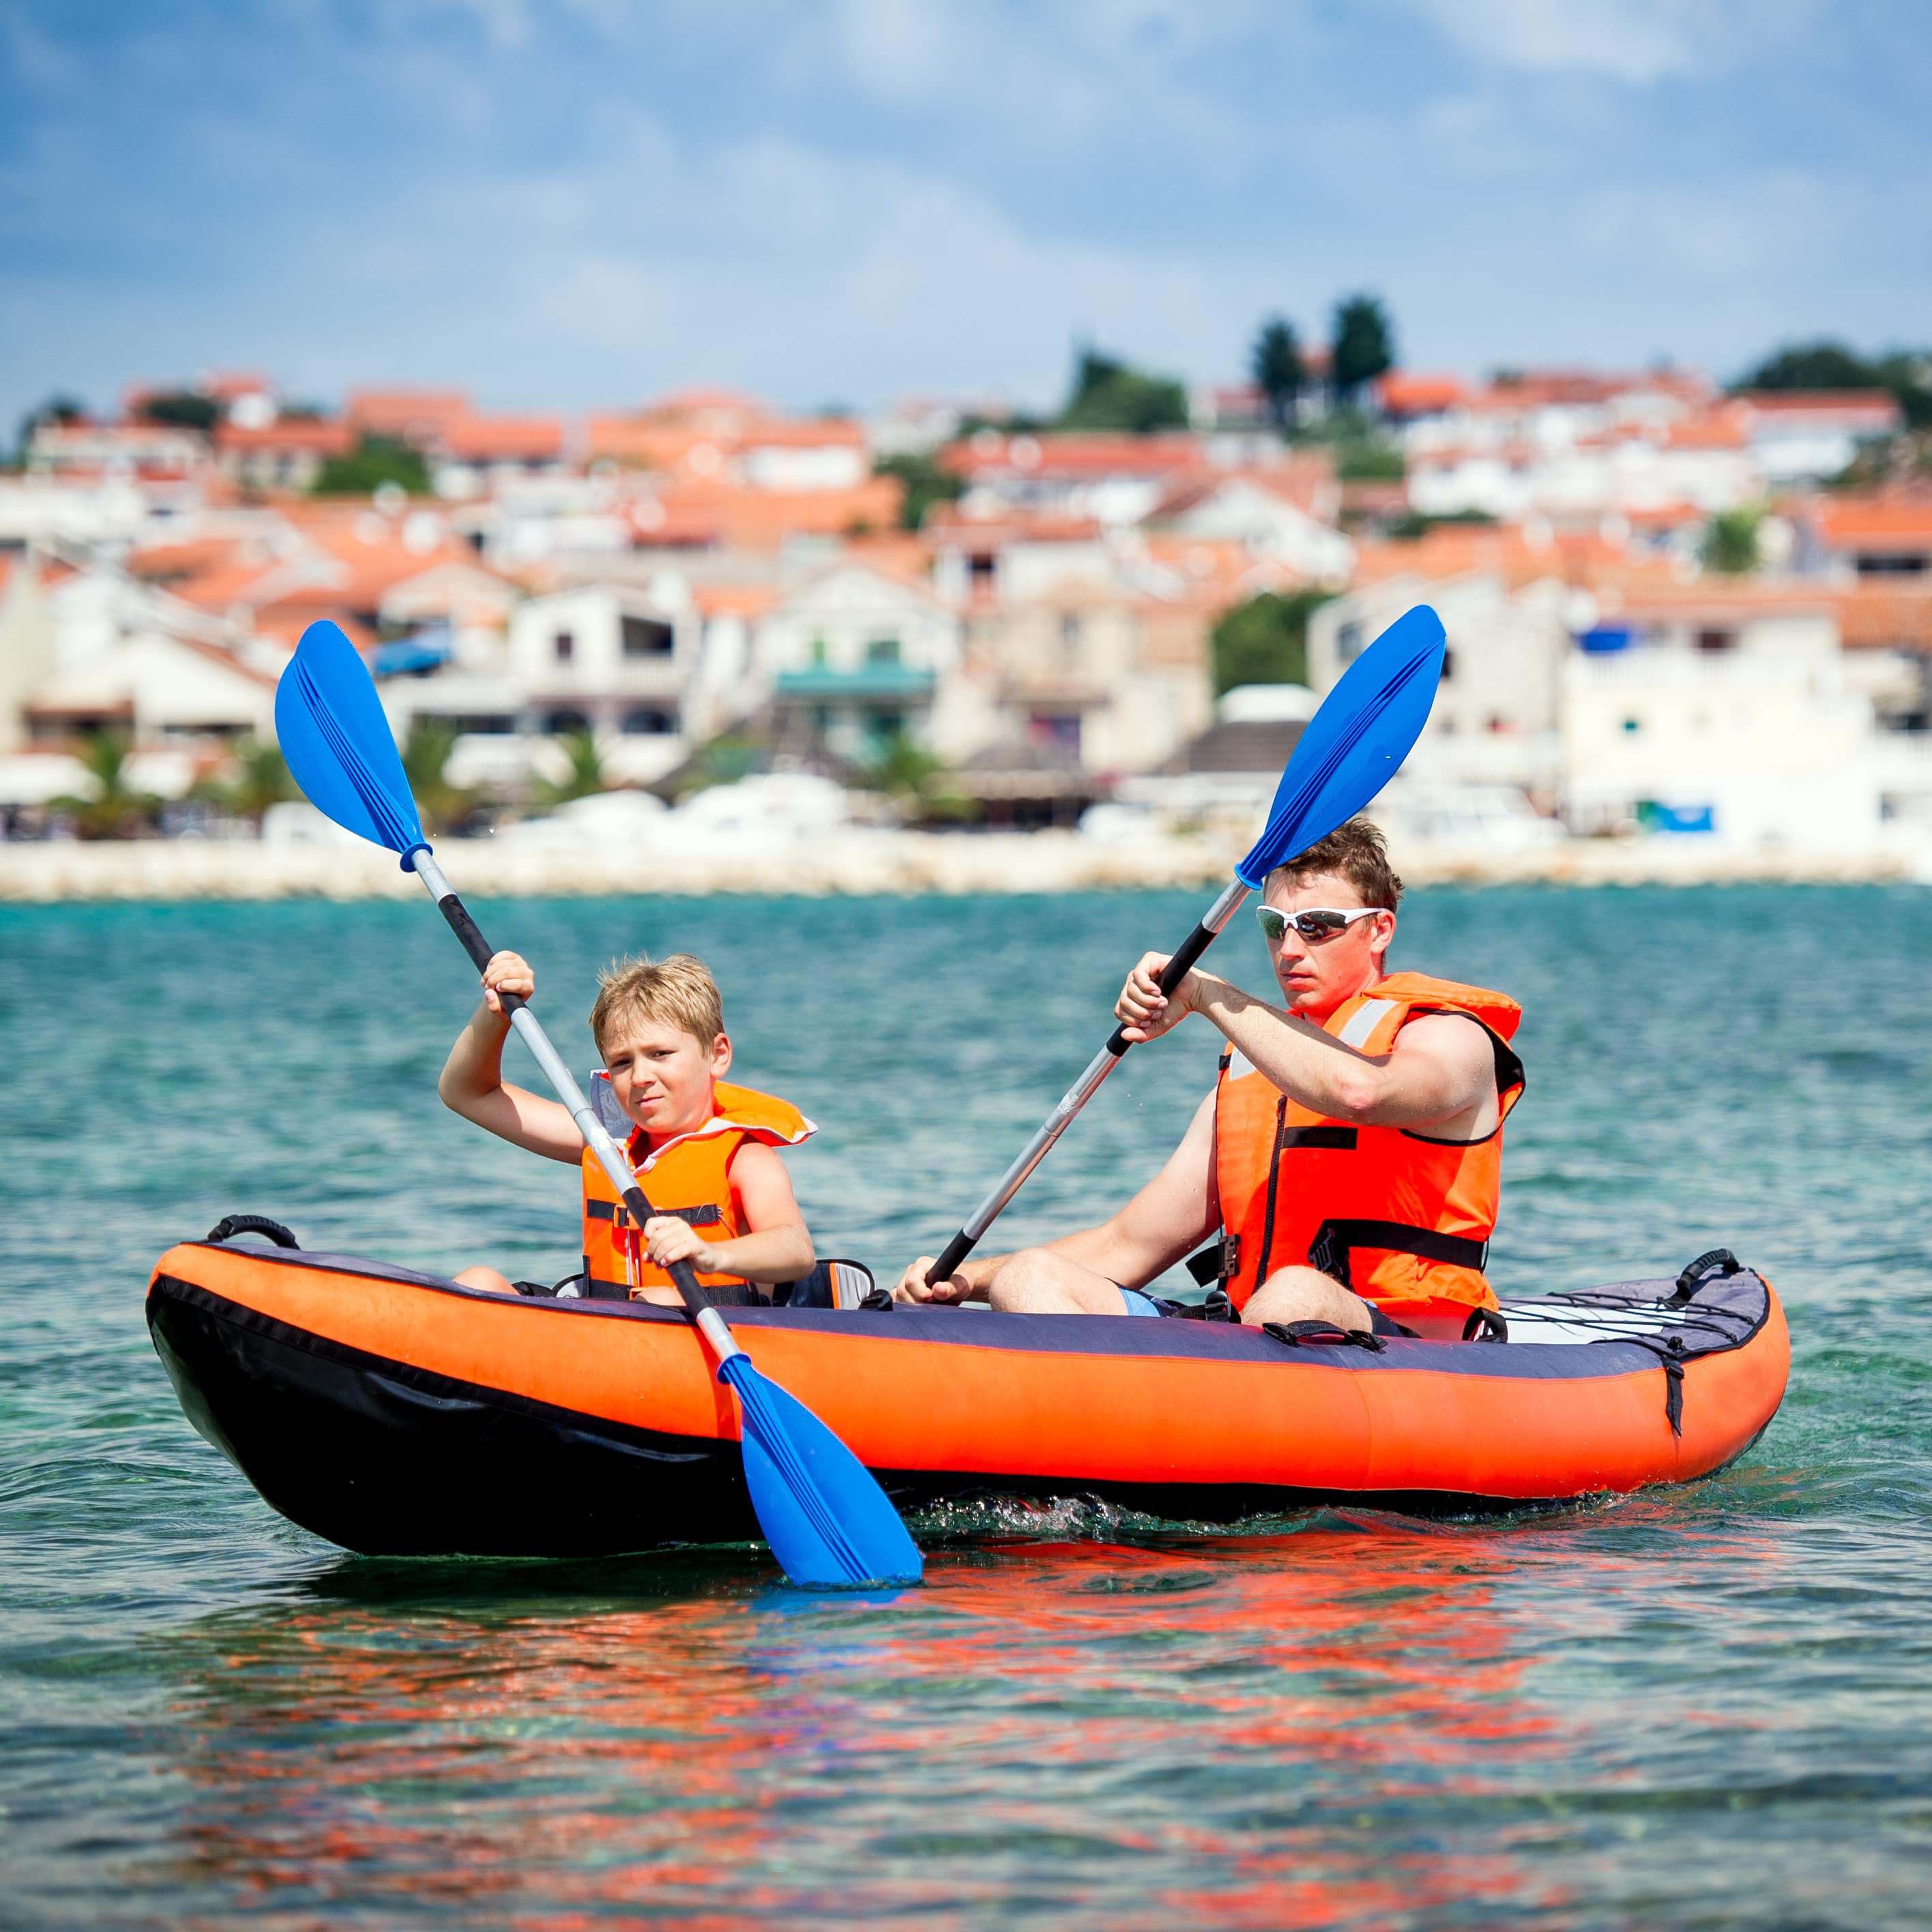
[1069, 636]
[564, 645]
[883, 651]
[561, 724]
[1632, 726]
[979, 571]
[1448, 665]
[650, 721]
[643, 638]
[817, 653]
[1348, 641]
[1057, 734]
[1710, 643]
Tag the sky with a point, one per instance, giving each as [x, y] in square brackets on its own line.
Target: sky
[578, 203]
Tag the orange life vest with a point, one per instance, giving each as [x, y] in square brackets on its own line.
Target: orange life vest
[1402, 1219]
[689, 1176]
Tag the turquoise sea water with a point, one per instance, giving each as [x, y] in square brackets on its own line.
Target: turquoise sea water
[1706, 1707]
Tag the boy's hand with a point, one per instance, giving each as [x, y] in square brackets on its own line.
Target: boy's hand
[507, 972]
[913, 1285]
[1147, 1013]
[667, 1239]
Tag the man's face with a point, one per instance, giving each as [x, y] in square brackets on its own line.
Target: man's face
[662, 1076]
[1317, 975]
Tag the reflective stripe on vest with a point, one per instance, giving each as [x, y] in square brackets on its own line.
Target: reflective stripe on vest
[1399, 1217]
[690, 1177]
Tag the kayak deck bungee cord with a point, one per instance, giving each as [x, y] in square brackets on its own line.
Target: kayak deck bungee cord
[395, 1413]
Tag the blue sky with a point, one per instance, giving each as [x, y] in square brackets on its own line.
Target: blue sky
[574, 202]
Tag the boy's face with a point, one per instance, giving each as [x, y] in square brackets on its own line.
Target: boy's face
[662, 1076]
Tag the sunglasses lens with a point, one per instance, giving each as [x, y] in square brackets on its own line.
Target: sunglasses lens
[1319, 924]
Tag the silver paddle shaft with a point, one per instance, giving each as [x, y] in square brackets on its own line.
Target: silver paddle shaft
[1082, 1090]
[596, 1136]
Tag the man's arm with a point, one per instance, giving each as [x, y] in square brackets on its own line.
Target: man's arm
[1175, 1213]
[1442, 1066]
[472, 1083]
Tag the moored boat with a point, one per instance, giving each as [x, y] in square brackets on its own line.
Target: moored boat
[394, 1412]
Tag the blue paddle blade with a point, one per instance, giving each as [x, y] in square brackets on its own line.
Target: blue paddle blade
[337, 741]
[1355, 743]
[829, 1523]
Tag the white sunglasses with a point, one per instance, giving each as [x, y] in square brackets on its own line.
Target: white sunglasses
[1318, 923]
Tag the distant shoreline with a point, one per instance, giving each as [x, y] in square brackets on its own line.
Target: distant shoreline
[863, 863]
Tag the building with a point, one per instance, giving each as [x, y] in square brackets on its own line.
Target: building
[1810, 436]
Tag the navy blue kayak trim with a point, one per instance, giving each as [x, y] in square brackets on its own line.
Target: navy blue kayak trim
[1738, 1306]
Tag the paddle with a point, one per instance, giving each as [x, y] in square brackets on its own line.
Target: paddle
[1354, 745]
[828, 1522]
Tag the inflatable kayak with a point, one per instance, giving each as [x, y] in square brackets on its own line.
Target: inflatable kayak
[398, 1413]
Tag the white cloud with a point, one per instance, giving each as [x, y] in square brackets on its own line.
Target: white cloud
[1635, 41]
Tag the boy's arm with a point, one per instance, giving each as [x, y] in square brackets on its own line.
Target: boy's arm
[472, 1083]
[776, 1245]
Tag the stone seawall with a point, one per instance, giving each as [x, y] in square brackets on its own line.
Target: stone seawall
[862, 863]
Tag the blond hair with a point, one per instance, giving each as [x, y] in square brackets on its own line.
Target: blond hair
[679, 991]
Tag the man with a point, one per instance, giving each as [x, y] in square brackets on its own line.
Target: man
[1351, 1151]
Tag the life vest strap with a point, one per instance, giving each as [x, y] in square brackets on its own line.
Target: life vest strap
[1334, 1239]
[706, 1216]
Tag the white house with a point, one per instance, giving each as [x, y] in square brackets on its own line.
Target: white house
[853, 656]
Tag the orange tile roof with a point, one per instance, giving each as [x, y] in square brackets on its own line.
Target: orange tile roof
[818, 432]
[1877, 407]
[1725, 429]
[946, 526]
[525, 439]
[734, 600]
[1875, 616]
[1855, 522]
[1401, 394]
[299, 433]
[1072, 453]
[404, 411]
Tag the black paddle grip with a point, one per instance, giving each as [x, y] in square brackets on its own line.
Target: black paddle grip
[1176, 970]
[465, 929]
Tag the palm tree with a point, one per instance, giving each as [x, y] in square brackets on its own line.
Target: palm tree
[587, 771]
[425, 758]
[260, 779]
[116, 810]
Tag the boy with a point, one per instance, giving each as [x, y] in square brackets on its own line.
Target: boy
[704, 1152]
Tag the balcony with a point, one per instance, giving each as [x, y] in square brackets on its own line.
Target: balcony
[868, 684]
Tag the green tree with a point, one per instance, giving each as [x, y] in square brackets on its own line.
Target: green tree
[116, 810]
[916, 778]
[586, 774]
[1812, 365]
[1730, 543]
[63, 409]
[1108, 394]
[377, 460]
[1265, 640]
[425, 764]
[186, 408]
[260, 779]
[926, 483]
[1275, 362]
[1361, 345]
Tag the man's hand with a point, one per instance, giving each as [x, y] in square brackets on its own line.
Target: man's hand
[668, 1239]
[913, 1285]
[1147, 1013]
[507, 972]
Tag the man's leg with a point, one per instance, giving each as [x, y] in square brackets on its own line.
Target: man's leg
[485, 1278]
[1038, 1282]
[1306, 1295]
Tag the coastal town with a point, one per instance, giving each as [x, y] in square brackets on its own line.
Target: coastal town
[702, 641]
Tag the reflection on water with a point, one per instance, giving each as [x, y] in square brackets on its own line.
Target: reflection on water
[1310, 1728]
